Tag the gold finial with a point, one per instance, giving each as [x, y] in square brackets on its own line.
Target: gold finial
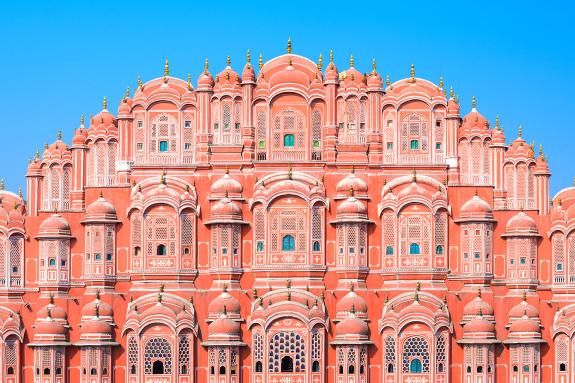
[416, 296]
[248, 56]
[189, 81]
[37, 155]
[473, 102]
[441, 82]
[414, 178]
[105, 103]
[331, 56]
[520, 132]
[320, 62]
[59, 137]
[51, 298]
[288, 49]
[524, 295]
[98, 294]
[140, 83]
[2, 184]
[82, 119]
[559, 202]
[497, 121]
[351, 61]
[480, 312]
[289, 171]
[351, 191]
[387, 80]
[418, 286]
[206, 65]
[373, 66]
[20, 193]
[163, 177]
[97, 310]
[451, 93]
[412, 72]
[127, 92]
[288, 283]
[479, 293]
[261, 61]
[159, 297]
[166, 68]
[162, 287]
[228, 61]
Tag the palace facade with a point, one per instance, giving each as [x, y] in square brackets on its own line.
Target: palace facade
[292, 224]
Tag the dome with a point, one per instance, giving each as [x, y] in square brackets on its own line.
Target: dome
[351, 302]
[248, 75]
[227, 209]
[351, 182]
[351, 208]
[524, 325]
[479, 325]
[498, 137]
[49, 327]
[227, 77]
[331, 73]
[519, 149]
[224, 302]
[475, 120]
[55, 226]
[476, 208]
[352, 326]
[104, 117]
[206, 81]
[477, 307]
[521, 223]
[100, 210]
[524, 308]
[51, 310]
[224, 326]
[226, 184]
[374, 80]
[452, 107]
[80, 136]
[104, 309]
[96, 326]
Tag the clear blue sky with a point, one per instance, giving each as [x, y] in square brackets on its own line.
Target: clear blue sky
[58, 60]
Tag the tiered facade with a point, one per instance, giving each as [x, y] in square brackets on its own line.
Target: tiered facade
[298, 225]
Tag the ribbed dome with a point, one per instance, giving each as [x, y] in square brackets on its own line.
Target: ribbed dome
[352, 207]
[351, 302]
[224, 302]
[96, 326]
[524, 325]
[226, 184]
[521, 223]
[51, 310]
[56, 226]
[479, 325]
[352, 326]
[331, 73]
[475, 120]
[476, 208]
[224, 326]
[523, 308]
[452, 107]
[227, 209]
[49, 327]
[477, 307]
[104, 117]
[351, 182]
[104, 309]
[100, 210]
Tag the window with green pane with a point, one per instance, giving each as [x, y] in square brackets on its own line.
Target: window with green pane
[163, 146]
[289, 141]
[414, 144]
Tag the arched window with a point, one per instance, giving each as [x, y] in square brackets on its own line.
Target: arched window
[52, 262]
[46, 371]
[389, 250]
[288, 243]
[222, 370]
[439, 250]
[161, 250]
[351, 369]
[390, 368]
[93, 371]
[414, 249]
[315, 366]
[479, 369]
[10, 371]
[287, 364]
[289, 141]
[133, 369]
[158, 368]
[316, 246]
[259, 366]
[415, 366]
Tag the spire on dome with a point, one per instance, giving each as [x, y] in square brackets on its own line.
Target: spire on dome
[248, 57]
[19, 195]
[189, 81]
[82, 120]
[540, 149]
[412, 72]
[473, 103]
[261, 61]
[228, 61]
[59, 136]
[387, 80]
[373, 66]
[451, 93]
[331, 56]
[289, 48]
[520, 132]
[2, 184]
[320, 62]
[441, 82]
[166, 69]
[497, 121]
[351, 61]
[105, 103]
[206, 65]
[140, 83]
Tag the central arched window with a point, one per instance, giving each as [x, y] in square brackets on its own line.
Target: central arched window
[287, 364]
[414, 133]
[415, 356]
[161, 250]
[157, 357]
[289, 141]
[414, 249]
[288, 243]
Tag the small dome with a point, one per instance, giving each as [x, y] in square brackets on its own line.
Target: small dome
[352, 326]
[524, 308]
[521, 223]
[104, 309]
[476, 208]
[248, 75]
[479, 325]
[80, 136]
[49, 327]
[51, 310]
[351, 302]
[477, 307]
[524, 325]
[227, 209]
[101, 210]
[103, 118]
[374, 80]
[498, 137]
[206, 81]
[475, 120]
[226, 184]
[519, 149]
[96, 326]
[351, 207]
[225, 302]
[224, 326]
[55, 226]
[331, 73]
[452, 107]
[227, 77]
[351, 182]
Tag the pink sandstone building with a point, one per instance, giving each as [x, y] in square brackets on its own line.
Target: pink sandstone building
[294, 223]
